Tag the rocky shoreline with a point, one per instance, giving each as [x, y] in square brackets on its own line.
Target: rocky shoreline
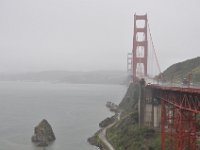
[113, 107]
[95, 140]
[106, 122]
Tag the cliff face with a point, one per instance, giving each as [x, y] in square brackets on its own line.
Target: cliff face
[126, 134]
[129, 102]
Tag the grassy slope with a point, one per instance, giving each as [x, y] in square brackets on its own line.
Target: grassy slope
[181, 70]
[126, 135]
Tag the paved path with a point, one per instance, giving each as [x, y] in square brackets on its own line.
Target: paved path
[102, 134]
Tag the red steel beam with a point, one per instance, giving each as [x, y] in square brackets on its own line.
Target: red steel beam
[179, 107]
[176, 89]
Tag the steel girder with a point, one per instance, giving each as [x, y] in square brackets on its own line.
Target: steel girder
[178, 119]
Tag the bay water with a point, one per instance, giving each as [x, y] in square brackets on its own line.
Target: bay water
[73, 110]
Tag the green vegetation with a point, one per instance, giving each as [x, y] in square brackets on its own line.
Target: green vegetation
[125, 134]
[181, 70]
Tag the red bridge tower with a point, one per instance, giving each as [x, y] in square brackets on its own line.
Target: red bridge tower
[140, 46]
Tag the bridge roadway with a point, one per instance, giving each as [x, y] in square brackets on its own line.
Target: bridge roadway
[168, 87]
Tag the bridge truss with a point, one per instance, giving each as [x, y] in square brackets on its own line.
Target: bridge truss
[179, 109]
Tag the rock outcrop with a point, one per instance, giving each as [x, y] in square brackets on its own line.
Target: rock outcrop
[112, 106]
[107, 121]
[43, 134]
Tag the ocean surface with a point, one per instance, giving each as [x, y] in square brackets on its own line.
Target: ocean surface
[73, 110]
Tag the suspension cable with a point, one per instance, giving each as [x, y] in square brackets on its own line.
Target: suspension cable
[154, 49]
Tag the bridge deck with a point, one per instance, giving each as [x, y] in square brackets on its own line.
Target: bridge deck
[183, 89]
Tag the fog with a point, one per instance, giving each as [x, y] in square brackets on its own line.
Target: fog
[85, 35]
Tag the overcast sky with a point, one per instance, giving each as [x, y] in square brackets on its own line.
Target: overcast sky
[85, 35]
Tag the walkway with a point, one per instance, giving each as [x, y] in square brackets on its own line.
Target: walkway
[102, 134]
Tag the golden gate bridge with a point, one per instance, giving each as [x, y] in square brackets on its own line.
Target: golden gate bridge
[177, 107]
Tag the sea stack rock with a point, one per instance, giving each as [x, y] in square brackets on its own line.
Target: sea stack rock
[43, 134]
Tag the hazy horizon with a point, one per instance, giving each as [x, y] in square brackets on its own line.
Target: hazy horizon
[73, 71]
[89, 35]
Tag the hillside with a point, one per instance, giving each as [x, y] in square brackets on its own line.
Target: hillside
[180, 70]
[126, 134]
[92, 77]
